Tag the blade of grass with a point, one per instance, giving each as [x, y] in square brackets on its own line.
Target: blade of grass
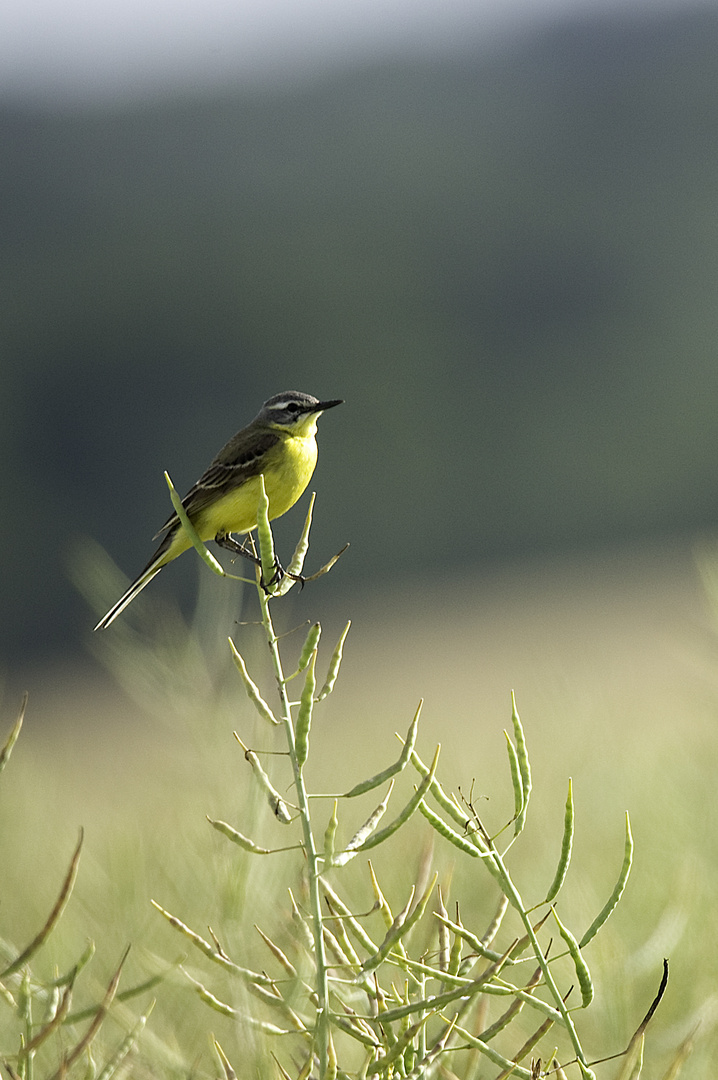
[13, 736]
[54, 916]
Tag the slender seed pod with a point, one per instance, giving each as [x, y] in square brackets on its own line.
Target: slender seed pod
[498, 917]
[401, 926]
[276, 802]
[369, 826]
[381, 902]
[332, 1063]
[310, 644]
[264, 534]
[304, 715]
[334, 664]
[229, 1072]
[296, 563]
[516, 1072]
[397, 767]
[204, 552]
[347, 919]
[242, 841]
[455, 954]
[444, 935]
[58, 908]
[330, 836]
[111, 1066]
[514, 1008]
[446, 802]
[277, 953]
[515, 779]
[301, 923]
[475, 943]
[617, 891]
[566, 845]
[449, 834]
[13, 736]
[524, 766]
[210, 951]
[344, 944]
[251, 687]
[582, 973]
[375, 838]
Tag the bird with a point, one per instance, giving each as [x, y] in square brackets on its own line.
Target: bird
[279, 444]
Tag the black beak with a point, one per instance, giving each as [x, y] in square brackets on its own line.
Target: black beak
[324, 405]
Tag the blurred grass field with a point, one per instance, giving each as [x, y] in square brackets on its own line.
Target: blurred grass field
[614, 661]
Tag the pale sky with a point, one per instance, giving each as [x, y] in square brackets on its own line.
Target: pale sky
[98, 48]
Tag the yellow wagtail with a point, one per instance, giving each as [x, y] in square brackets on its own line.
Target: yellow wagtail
[279, 444]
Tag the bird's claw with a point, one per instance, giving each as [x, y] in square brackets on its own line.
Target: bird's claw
[279, 573]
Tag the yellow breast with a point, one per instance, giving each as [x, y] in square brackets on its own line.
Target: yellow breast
[287, 471]
[288, 475]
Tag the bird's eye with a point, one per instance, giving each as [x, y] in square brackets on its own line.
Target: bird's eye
[292, 407]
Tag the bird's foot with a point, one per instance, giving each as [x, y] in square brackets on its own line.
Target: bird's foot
[228, 542]
[279, 573]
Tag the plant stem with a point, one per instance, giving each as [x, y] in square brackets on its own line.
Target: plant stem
[321, 1031]
[515, 900]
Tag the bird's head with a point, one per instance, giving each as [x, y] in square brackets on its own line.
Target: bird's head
[294, 412]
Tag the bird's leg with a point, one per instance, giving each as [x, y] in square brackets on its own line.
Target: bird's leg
[225, 540]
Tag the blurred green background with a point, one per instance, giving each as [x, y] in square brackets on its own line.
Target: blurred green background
[614, 665]
[504, 257]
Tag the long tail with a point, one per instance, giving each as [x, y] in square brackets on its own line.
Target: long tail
[136, 587]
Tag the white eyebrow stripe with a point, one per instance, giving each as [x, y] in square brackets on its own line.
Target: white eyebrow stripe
[283, 405]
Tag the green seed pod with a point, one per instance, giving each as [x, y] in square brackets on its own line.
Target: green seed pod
[566, 845]
[364, 831]
[444, 936]
[330, 836]
[238, 837]
[515, 780]
[415, 801]
[304, 716]
[300, 923]
[524, 766]
[264, 535]
[312, 640]
[397, 767]
[251, 687]
[617, 891]
[276, 802]
[455, 955]
[332, 1063]
[277, 953]
[334, 664]
[296, 564]
[204, 552]
[401, 926]
[449, 834]
[582, 973]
